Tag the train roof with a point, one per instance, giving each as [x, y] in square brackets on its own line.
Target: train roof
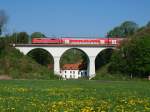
[80, 37]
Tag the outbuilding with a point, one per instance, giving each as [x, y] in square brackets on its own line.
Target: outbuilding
[73, 71]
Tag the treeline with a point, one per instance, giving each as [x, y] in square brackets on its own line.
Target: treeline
[126, 29]
[22, 37]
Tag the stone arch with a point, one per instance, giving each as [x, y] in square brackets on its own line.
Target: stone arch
[33, 48]
[75, 49]
[82, 51]
[49, 62]
[100, 55]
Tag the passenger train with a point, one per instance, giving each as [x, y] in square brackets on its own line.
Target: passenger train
[78, 41]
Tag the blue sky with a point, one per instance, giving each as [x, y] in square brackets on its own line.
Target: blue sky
[90, 18]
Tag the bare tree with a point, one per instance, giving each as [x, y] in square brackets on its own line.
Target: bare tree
[3, 19]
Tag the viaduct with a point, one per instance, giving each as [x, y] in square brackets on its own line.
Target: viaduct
[58, 50]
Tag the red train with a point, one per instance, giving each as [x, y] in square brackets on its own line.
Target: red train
[78, 41]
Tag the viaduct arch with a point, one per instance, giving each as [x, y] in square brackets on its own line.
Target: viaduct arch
[49, 61]
[104, 54]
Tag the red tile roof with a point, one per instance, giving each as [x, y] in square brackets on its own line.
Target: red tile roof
[77, 66]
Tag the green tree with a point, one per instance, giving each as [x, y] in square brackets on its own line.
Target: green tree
[2, 44]
[13, 38]
[148, 24]
[129, 28]
[73, 56]
[133, 56]
[22, 38]
[37, 35]
[125, 29]
[117, 31]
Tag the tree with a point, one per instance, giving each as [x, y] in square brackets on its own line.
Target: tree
[129, 28]
[148, 24]
[125, 29]
[37, 35]
[3, 19]
[133, 56]
[22, 38]
[2, 44]
[117, 31]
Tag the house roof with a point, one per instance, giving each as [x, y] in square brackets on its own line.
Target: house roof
[77, 66]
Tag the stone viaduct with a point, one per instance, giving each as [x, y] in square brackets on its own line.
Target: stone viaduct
[58, 50]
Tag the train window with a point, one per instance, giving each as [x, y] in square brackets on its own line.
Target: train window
[102, 42]
[113, 41]
[66, 41]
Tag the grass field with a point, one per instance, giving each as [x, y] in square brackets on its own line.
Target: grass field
[74, 96]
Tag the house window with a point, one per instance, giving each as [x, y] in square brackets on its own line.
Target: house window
[85, 73]
[65, 71]
[70, 76]
[65, 76]
[70, 71]
[78, 72]
[73, 72]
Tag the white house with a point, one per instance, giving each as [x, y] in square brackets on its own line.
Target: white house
[73, 71]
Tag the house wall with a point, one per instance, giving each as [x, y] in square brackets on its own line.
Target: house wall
[73, 74]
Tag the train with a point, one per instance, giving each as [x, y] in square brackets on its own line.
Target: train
[78, 41]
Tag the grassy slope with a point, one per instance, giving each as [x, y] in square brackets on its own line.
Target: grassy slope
[14, 64]
[103, 74]
[29, 95]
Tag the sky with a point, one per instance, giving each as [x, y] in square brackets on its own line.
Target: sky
[73, 18]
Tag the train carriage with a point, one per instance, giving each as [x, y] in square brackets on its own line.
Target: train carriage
[78, 41]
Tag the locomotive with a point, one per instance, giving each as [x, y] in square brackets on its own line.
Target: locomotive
[78, 41]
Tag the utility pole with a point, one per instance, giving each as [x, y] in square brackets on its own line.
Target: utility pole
[107, 40]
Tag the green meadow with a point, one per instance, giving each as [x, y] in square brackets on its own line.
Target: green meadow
[74, 96]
